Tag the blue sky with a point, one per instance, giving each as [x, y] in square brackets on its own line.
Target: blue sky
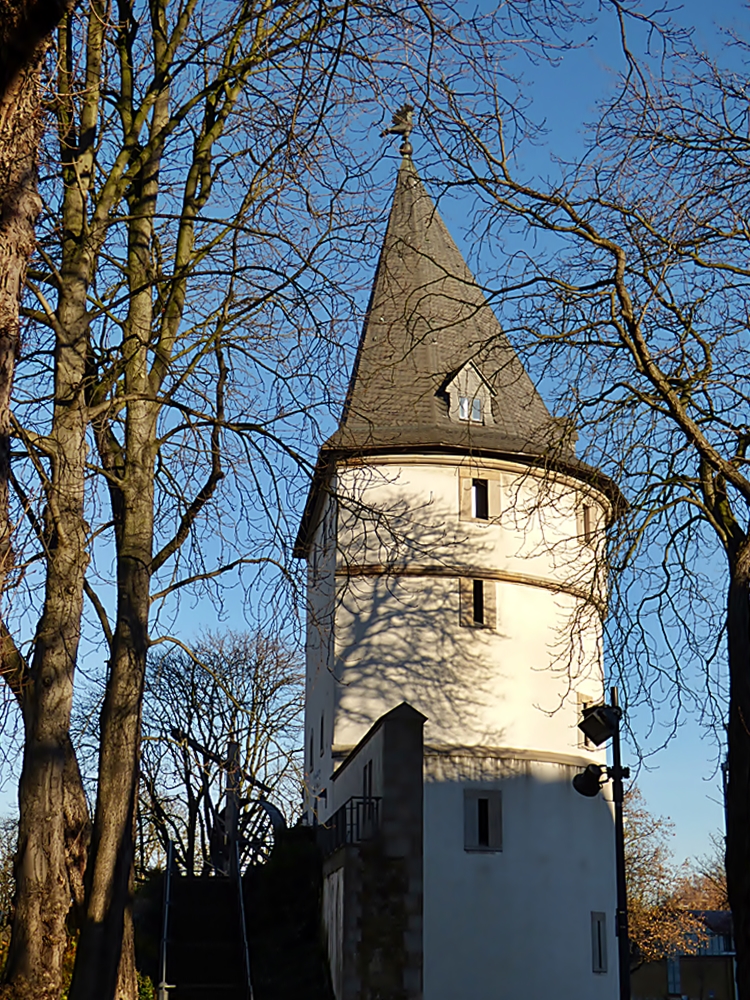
[681, 781]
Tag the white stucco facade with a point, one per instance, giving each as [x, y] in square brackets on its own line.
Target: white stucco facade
[397, 556]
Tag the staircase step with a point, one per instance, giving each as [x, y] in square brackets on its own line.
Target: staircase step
[204, 954]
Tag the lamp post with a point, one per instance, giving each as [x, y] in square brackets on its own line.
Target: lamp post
[601, 723]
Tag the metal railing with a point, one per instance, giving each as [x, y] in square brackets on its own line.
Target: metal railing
[357, 820]
[164, 986]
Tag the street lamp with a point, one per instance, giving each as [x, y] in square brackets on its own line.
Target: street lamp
[599, 724]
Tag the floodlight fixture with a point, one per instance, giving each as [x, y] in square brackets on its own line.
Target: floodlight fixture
[600, 723]
[589, 781]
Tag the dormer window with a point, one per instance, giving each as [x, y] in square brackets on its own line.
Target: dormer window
[470, 409]
[470, 396]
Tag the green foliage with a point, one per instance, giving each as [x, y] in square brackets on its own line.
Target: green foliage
[146, 989]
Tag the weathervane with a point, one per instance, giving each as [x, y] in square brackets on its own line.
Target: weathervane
[402, 125]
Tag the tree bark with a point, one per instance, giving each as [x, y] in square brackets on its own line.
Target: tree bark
[20, 132]
[738, 757]
[102, 969]
[53, 822]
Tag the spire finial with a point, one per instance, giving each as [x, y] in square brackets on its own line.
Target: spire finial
[402, 125]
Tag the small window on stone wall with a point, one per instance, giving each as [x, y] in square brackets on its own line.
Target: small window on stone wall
[478, 603]
[587, 525]
[479, 497]
[483, 820]
[583, 741]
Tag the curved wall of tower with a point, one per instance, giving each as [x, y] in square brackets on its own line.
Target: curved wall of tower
[401, 561]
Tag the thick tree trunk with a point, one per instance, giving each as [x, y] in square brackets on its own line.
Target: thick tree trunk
[53, 822]
[101, 959]
[20, 131]
[738, 786]
[112, 851]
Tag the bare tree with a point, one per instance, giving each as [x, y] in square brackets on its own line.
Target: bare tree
[243, 687]
[184, 323]
[634, 307]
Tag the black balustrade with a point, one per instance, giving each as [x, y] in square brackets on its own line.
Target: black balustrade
[357, 820]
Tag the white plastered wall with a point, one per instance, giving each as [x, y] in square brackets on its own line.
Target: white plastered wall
[398, 634]
[320, 695]
[517, 923]
[514, 923]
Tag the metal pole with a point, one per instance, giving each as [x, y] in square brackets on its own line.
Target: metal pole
[621, 916]
[164, 986]
[233, 805]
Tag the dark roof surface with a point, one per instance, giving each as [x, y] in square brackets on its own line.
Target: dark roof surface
[427, 318]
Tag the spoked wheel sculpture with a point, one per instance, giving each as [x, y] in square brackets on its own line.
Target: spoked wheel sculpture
[204, 950]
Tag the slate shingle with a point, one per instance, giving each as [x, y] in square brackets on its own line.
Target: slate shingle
[426, 319]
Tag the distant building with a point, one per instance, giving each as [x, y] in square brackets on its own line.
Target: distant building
[708, 974]
[454, 544]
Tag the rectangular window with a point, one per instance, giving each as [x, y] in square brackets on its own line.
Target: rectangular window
[480, 499]
[587, 524]
[478, 603]
[674, 981]
[470, 408]
[599, 942]
[583, 741]
[367, 780]
[479, 496]
[483, 820]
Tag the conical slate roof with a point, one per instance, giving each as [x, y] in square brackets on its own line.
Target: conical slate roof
[427, 320]
[430, 335]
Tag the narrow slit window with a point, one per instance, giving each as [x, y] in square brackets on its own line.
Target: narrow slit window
[312, 744]
[483, 820]
[367, 780]
[587, 523]
[322, 727]
[480, 499]
[583, 741]
[479, 602]
[599, 942]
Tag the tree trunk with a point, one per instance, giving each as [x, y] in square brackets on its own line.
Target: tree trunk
[100, 960]
[738, 786]
[53, 822]
[112, 851]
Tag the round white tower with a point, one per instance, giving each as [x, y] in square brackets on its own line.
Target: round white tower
[454, 546]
